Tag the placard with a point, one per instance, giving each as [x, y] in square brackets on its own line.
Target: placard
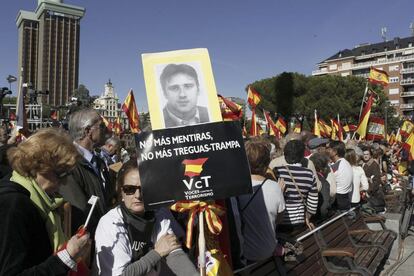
[201, 162]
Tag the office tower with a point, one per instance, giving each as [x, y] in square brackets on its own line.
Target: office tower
[49, 49]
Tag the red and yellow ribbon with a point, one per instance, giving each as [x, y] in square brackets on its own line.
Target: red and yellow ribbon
[211, 212]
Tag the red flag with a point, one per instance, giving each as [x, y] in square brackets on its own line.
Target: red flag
[253, 97]
[230, 111]
[130, 109]
[12, 116]
[54, 115]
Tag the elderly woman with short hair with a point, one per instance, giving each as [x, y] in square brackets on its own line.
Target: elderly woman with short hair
[30, 225]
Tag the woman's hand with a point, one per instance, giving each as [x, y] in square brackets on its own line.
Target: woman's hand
[166, 244]
[78, 246]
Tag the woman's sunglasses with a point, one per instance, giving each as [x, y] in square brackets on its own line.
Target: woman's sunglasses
[130, 189]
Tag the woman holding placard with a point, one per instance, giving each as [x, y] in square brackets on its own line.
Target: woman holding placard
[133, 241]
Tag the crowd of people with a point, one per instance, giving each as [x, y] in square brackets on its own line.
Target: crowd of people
[297, 181]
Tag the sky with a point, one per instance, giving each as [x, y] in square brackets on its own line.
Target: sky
[247, 40]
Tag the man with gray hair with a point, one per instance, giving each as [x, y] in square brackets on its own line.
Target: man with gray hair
[90, 176]
[109, 150]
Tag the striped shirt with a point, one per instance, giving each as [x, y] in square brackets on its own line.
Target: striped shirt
[306, 182]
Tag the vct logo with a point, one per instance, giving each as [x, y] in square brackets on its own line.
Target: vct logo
[194, 168]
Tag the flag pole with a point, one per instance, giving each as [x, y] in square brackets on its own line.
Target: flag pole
[362, 106]
[201, 244]
[363, 98]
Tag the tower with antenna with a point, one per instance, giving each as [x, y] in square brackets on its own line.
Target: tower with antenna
[384, 33]
[412, 28]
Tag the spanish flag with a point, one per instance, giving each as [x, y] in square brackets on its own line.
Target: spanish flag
[281, 125]
[406, 128]
[230, 111]
[130, 109]
[409, 146]
[106, 122]
[273, 130]
[117, 126]
[253, 97]
[378, 76]
[193, 167]
[316, 130]
[366, 112]
[298, 128]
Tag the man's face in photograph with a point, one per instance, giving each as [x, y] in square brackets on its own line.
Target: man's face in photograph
[181, 91]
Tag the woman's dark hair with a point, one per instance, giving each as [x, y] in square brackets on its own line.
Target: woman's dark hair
[320, 161]
[128, 166]
[258, 154]
[294, 151]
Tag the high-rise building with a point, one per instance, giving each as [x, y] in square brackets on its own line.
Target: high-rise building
[48, 56]
[396, 57]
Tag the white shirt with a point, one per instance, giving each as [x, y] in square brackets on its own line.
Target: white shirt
[113, 248]
[360, 183]
[343, 176]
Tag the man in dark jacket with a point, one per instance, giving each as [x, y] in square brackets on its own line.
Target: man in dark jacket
[90, 176]
[373, 173]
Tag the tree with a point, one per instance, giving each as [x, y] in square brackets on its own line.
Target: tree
[295, 94]
[82, 95]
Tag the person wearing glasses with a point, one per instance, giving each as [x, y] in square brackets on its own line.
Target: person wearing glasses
[90, 175]
[133, 241]
[31, 235]
[181, 88]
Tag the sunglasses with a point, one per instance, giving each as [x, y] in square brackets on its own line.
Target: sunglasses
[130, 189]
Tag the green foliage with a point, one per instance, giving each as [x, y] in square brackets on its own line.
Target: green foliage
[293, 94]
[82, 94]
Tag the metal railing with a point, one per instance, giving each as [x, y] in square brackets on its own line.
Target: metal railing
[407, 94]
[407, 70]
[407, 106]
[407, 81]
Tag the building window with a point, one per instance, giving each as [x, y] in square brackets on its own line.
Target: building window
[333, 67]
[394, 102]
[394, 79]
[394, 91]
[393, 68]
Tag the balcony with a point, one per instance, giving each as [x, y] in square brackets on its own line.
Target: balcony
[322, 71]
[407, 70]
[407, 82]
[407, 94]
[382, 61]
[408, 106]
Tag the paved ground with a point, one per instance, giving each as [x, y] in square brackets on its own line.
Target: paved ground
[405, 266]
